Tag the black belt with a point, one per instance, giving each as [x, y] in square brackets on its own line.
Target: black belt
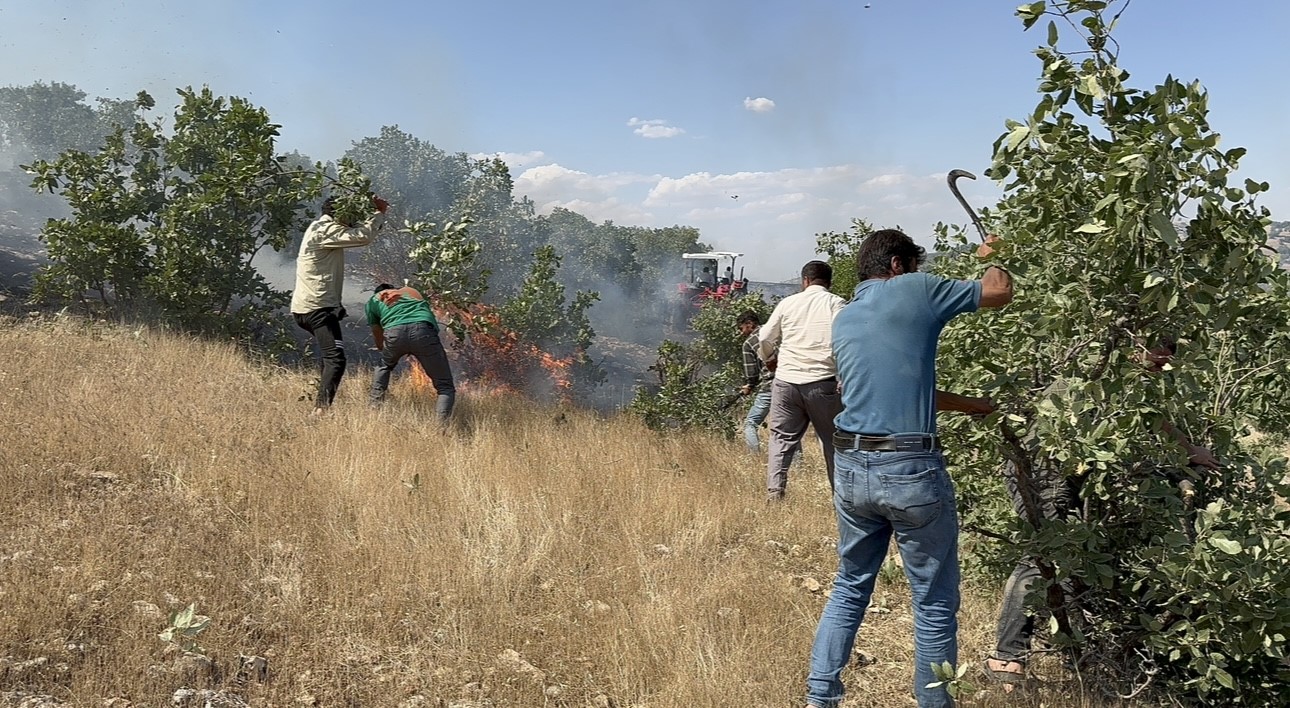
[885, 443]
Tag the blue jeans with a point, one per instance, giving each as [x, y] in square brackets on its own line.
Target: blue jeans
[756, 416]
[875, 495]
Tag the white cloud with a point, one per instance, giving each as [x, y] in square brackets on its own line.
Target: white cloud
[514, 160]
[555, 179]
[704, 186]
[612, 209]
[885, 181]
[654, 128]
[759, 105]
[772, 216]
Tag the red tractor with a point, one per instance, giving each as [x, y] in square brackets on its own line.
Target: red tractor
[709, 276]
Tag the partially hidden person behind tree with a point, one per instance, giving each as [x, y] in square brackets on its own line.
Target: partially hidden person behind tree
[404, 325]
[891, 475]
[805, 391]
[1056, 497]
[758, 376]
[320, 280]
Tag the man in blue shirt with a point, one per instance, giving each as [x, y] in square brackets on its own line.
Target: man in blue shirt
[890, 477]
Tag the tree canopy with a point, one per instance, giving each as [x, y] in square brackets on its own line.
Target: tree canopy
[1124, 228]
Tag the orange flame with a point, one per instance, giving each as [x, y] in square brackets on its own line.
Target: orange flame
[492, 359]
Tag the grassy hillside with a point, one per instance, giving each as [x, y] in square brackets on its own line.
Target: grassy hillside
[525, 556]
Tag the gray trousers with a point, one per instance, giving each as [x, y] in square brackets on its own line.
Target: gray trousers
[1058, 498]
[792, 408]
[420, 340]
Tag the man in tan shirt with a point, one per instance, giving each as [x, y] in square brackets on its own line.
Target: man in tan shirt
[805, 390]
[320, 278]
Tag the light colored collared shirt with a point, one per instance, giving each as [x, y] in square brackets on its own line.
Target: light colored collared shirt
[802, 327]
[320, 266]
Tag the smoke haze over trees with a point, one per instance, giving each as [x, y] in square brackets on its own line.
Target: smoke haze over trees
[631, 267]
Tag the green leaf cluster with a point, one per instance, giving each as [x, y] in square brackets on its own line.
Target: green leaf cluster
[185, 627]
[841, 248]
[166, 222]
[1124, 225]
[543, 316]
[698, 380]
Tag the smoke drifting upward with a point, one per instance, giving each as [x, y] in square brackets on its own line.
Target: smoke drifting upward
[23, 213]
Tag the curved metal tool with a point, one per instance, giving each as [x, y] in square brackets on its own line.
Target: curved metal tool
[976, 220]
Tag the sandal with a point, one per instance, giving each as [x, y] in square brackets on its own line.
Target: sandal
[1010, 677]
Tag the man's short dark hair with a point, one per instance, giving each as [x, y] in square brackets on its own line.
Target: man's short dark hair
[382, 286]
[329, 206]
[748, 317]
[879, 247]
[818, 273]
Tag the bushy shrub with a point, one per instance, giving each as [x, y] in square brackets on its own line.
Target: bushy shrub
[1122, 230]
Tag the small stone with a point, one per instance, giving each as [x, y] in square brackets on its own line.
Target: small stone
[552, 692]
[252, 668]
[777, 546]
[147, 609]
[206, 698]
[22, 699]
[602, 701]
[811, 585]
[511, 659]
[662, 550]
[863, 659]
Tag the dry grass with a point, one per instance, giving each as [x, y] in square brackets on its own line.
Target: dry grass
[143, 471]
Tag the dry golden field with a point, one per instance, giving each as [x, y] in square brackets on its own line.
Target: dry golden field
[525, 556]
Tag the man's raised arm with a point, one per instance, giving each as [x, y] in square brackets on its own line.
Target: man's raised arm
[996, 284]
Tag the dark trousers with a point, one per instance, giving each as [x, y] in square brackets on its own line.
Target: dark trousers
[420, 340]
[324, 325]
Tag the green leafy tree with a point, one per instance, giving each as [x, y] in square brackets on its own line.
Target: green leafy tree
[425, 184]
[540, 312]
[42, 120]
[698, 381]
[445, 258]
[840, 248]
[1124, 224]
[168, 221]
[351, 193]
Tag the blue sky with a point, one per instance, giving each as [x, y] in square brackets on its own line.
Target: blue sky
[761, 123]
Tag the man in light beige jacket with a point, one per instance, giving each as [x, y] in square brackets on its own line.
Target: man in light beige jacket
[320, 278]
[805, 391]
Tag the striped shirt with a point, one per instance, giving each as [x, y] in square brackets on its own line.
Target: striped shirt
[756, 374]
[802, 327]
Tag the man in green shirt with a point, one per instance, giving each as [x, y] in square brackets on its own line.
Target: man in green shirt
[402, 323]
